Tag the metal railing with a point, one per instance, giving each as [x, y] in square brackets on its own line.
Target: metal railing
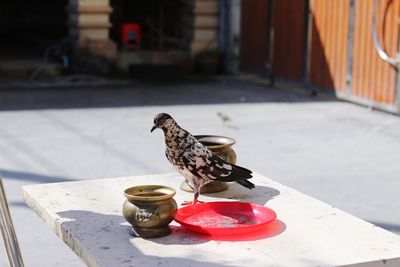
[393, 61]
[8, 232]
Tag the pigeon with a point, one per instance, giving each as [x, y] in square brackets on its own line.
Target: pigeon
[226, 120]
[194, 161]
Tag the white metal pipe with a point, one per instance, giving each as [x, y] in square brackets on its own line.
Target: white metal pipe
[8, 232]
[394, 61]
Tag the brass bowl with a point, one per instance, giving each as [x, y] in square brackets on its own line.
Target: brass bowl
[149, 209]
[222, 146]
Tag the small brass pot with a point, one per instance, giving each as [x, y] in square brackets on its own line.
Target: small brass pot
[222, 146]
[149, 209]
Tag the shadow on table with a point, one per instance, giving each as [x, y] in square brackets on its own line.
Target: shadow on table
[105, 239]
[259, 195]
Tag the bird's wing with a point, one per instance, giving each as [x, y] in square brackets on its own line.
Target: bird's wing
[203, 163]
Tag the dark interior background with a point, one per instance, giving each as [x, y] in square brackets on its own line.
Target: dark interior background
[27, 27]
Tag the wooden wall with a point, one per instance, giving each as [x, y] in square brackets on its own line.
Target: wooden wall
[255, 35]
[373, 78]
[329, 37]
[289, 39]
[336, 52]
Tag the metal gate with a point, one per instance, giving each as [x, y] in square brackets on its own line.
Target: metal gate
[374, 81]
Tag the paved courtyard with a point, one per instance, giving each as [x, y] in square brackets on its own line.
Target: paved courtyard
[341, 153]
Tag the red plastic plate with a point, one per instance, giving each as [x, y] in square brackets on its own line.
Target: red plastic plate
[225, 218]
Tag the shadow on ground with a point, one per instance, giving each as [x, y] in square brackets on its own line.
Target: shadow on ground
[388, 226]
[32, 177]
[102, 93]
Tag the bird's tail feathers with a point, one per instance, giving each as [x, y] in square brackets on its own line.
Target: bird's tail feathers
[242, 168]
[246, 173]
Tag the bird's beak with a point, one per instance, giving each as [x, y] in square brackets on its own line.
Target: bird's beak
[153, 128]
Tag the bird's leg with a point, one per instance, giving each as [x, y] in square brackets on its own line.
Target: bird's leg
[196, 188]
[196, 197]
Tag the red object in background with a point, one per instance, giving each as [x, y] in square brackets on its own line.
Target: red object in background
[225, 218]
[131, 35]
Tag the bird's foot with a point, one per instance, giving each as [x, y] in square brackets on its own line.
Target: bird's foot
[188, 202]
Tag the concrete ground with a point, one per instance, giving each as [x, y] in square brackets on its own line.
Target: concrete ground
[340, 153]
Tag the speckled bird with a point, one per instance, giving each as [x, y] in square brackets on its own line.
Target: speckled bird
[195, 161]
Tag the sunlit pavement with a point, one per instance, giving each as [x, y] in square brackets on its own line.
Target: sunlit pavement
[343, 154]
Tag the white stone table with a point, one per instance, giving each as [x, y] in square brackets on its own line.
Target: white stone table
[87, 216]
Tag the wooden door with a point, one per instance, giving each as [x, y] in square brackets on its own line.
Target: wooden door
[254, 35]
[289, 44]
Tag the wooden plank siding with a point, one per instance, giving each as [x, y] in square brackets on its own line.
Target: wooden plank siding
[289, 39]
[329, 41]
[254, 35]
[340, 52]
[372, 78]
